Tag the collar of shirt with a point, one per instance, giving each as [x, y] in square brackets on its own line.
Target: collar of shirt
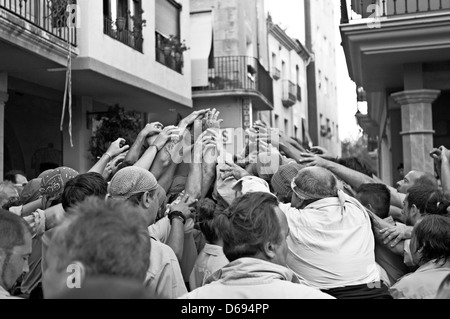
[213, 250]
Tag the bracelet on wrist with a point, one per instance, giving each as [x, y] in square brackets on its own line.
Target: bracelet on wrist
[178, 215]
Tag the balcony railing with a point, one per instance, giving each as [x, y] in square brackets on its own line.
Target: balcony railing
[239, 73]
[44, 15]
[119, 30]
[389, 8]
[289, 93]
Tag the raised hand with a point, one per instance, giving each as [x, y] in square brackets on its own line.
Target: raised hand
[232, 170]
[191, 118]
[117, 147]
[168, 133]
[211, 120]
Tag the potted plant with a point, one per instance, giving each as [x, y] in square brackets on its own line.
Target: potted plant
[173, 49]
[138, 25]
[114, 124]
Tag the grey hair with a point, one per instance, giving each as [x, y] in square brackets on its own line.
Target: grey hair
[318, 182]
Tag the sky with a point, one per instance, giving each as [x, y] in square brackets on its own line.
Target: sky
[283, 14]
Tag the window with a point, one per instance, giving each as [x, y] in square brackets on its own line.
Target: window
[320, 79]
[167, 18]
[124, 23]
[169, 47]
[326, 86]
[277, 121]
[286, 126]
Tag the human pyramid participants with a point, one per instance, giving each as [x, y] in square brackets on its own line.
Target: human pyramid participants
[178, 215]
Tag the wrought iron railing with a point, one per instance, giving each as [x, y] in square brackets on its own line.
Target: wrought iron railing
[48, 15]
[120, 31]
[239, 73]
[389, 8]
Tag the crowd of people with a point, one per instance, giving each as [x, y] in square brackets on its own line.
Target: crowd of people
[176, 215]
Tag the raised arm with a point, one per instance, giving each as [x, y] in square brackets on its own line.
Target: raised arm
[442, 160]
[353, 178]
[148, 131]
[118, 147]
[147, 159]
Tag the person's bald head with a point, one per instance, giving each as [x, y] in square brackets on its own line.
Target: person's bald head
[415, 178]
[312, 184]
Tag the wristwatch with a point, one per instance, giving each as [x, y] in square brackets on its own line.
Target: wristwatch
[177, 214]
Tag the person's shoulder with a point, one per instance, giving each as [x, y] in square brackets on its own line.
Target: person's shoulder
[162, 250]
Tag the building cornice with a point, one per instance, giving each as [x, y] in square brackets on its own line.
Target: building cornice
[285, 40]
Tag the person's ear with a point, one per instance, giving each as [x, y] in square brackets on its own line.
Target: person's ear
[147, 200]
[269, 250]
[415, 212]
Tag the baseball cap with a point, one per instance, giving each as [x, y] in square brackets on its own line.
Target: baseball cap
[131, 181]
[282, 179]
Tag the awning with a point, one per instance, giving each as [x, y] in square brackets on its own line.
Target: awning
[201, 43]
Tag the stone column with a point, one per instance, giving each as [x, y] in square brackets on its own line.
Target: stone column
[417, 126]
[3, 100]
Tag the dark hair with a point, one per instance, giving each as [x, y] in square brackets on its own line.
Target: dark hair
[11, 176]
[429, 201]
[82, 186]
[418, 195]
[378, 196]
[427, 180]
[432, 235]
[248, 224]
[109, 237]
[12, 230]
[356, 164]
[206, 214]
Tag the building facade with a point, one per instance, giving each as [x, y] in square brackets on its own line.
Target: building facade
[230, 60]
[288, 64]
[121, 54]
[322, 75]
[398, 54]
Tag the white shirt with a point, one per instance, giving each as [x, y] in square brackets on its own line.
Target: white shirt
[6, 295]
[331, 247]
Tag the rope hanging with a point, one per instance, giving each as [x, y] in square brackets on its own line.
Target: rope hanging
[68, 85]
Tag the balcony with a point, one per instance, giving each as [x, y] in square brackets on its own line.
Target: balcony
[289, 93]
[392, 8]
[276, 73]
[43, 15]
[404, 32]
[119, 31]
[238, 75]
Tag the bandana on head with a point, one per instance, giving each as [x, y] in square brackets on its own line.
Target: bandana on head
[52, 184]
